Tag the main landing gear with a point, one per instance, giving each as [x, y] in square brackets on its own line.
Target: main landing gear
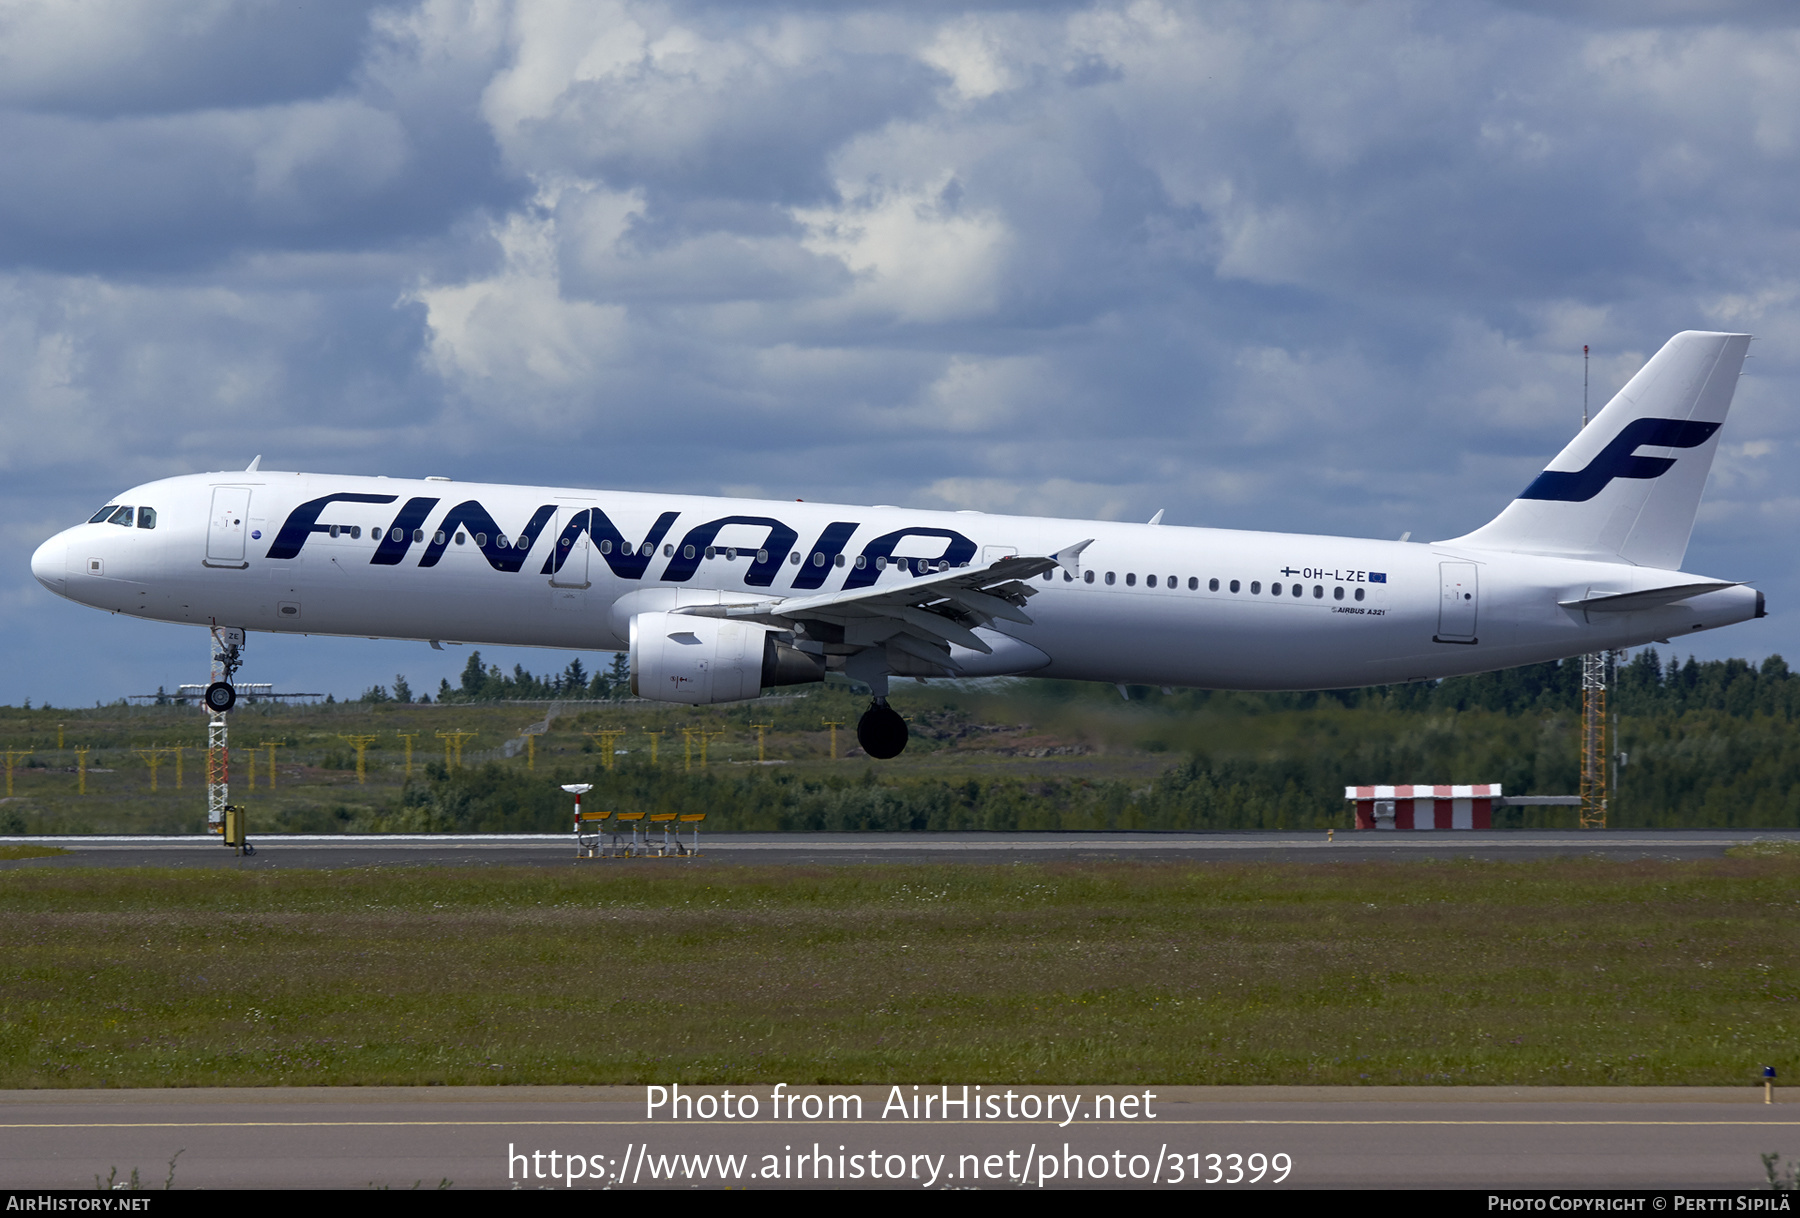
[881, 731]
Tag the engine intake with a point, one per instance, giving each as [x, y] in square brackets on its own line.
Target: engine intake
[676, 657]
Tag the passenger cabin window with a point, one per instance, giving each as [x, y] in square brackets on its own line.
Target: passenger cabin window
[1256, 585]
[1149, 581]
[1359, 594]
[100, 516]
[1110, 577]
[1171, 581]
[1194, 584]
[1318, 591]
[1088, 576]
[1337, 594]
[1131, 579]
[1212, 585]
[1297, 589]
[1234, 585]
[120, 517]
[1274, 589]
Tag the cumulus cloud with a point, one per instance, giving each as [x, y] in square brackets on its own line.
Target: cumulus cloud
[1295, 265]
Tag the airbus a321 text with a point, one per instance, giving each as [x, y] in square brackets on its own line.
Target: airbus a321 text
[719, 599]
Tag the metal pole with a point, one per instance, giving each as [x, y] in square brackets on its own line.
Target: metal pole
[218, 772]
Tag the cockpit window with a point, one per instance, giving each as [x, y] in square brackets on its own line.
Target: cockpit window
[120, 517]
[103, 513]
[146, 518]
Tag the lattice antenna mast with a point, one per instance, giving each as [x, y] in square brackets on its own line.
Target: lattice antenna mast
[1593, 741]
[227, 658]
[1593, 699]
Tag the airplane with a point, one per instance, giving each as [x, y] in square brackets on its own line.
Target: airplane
[717, 600]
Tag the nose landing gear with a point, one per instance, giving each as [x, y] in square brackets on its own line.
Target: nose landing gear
[881, 731]
[221, 696]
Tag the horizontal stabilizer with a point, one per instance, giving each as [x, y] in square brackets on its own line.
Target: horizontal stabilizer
[1652, 598]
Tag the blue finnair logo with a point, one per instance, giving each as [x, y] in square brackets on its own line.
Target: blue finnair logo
[1616, 459]
[470, 522]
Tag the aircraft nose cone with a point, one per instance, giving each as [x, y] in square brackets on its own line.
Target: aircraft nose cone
[50, 563]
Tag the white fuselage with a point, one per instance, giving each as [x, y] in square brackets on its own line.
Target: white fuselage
[245, 550]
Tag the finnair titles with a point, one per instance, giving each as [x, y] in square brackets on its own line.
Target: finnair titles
[719, 599]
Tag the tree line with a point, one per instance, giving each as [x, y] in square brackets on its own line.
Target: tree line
[487, 683]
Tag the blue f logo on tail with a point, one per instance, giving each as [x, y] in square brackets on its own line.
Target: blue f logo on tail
[1616, 460]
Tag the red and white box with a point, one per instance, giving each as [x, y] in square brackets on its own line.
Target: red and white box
[1419, 807]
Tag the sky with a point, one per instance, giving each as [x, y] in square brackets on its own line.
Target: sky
[1311, 267]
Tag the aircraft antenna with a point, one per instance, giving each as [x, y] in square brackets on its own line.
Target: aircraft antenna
[1584, 386]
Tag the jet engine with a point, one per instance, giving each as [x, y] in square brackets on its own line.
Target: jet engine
[678, 657]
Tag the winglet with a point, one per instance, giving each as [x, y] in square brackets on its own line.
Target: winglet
[254, 463]
[1157, 519]
[1067, 557]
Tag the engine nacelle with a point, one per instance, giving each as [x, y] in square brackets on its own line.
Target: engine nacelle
[677, 657]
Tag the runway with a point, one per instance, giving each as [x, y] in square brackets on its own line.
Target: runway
[557, 849]
[1183, 1137]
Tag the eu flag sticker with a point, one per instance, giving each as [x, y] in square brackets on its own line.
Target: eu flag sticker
[1378, 577]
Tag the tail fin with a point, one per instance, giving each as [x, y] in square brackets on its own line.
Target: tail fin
[1600, 498]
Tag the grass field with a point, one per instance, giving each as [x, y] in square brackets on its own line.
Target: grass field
[1568, 972]
[1710, 745]
[315, 785]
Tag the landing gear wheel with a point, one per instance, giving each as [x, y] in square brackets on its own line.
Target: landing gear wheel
[881, 731]
[220, 697]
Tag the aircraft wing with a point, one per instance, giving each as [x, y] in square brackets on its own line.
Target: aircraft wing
[935, 610]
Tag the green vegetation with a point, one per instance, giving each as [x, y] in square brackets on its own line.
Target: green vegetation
[1568, 972]
[30, 852]
[1709, 744]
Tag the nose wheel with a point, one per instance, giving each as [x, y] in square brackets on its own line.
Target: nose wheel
[881, 731]
[220, 697]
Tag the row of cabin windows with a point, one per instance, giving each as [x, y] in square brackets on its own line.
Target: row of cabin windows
[729, 553]
[501, 541]
[819, 558]
[1212, 585]
[112, 513]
